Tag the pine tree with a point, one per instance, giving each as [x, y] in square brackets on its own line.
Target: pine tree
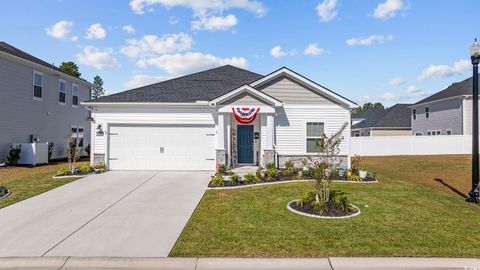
[70, 68]
[97, 88]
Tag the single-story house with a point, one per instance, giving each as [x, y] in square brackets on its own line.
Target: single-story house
[448, 112]
[393, 121]
[224, 115]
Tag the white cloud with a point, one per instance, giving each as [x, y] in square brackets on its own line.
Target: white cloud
[180, 64]
[397, 81]
[94, 57]
[95, 31]
[213, 23]
[74, 38]
[60, 29]
[173, 20]
[129, 29]
[390, 97]
[151, 44]
[277, 52]
[411, 92]
[313, 49]
[200, 6]
[369, 40]
[388, 9]
[439, 71]
[141, 80]
[327, 10]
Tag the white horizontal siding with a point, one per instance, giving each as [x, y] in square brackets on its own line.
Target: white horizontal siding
[167, 116]
[290, 125]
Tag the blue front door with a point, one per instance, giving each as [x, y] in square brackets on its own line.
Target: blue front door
[245, 143]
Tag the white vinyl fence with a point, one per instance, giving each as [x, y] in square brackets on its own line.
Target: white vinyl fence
[411, 145]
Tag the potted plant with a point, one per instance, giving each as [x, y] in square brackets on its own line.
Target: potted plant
[362, 172]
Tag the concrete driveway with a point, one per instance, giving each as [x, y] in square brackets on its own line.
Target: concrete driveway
[115, 214]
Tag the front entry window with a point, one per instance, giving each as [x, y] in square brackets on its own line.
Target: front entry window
[315, 131]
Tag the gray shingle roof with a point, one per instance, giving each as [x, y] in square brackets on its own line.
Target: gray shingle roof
[455, 89]
[397, 116]
[7, 48]
[201, 86]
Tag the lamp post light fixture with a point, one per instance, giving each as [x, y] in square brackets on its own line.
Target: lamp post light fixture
[475, 56]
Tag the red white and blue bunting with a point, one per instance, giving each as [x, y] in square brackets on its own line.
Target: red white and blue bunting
[245, 115]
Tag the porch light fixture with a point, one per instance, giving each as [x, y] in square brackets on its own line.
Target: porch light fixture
[99, 130]
[475, 57]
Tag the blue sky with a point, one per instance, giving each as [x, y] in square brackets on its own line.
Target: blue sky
[367, 50]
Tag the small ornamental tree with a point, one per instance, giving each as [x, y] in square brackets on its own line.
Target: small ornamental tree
[72, 150]
[328, 161]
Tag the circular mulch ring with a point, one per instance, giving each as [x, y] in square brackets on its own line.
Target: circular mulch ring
[291, 208]
[6, 193]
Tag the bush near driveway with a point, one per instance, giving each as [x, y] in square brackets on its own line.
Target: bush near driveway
[403, 218]
[26, 182]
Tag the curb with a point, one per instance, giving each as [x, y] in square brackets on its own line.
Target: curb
[71, 176]
[323, 217]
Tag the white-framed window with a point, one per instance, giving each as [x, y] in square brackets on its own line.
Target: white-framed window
[418, 134]
[74, 95]
[37, 85]
[427, 112]
[434, 132]
[414, 114]
[449, 132]
[315, 131]
[77, 135]
[62, 91]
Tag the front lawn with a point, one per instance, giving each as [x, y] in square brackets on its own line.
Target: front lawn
[400, 217]
[26, 182]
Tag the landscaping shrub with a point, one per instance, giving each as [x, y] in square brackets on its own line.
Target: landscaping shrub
[234, 178]
[271, 172]
[222, 169]
[307, 197]
[252, 179]
[218, 180]
[65, 171]
[101, 166]
[320, 207]
[14, 155]
[342, 202]
[259, 174]
[290, 170]
[86, 169]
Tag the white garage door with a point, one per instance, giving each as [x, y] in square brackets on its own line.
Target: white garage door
[137, 147]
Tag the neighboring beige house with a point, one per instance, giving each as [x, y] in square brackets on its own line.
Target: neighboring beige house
[39, 102]
[394, 121]
[448, 112]
[224, 115]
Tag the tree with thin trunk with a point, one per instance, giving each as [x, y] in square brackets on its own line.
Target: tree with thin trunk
[70, 68]
[72, 150]
[97, 88]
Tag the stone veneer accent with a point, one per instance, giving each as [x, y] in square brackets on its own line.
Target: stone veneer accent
[268, 157]
[97, 158]
[221, 157]
[297, 160]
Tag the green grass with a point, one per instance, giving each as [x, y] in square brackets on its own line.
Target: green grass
[26, 182]
[403, 218]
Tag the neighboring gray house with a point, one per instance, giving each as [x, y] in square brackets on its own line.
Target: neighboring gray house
[394, 121]
[448, 112]
[39, 101]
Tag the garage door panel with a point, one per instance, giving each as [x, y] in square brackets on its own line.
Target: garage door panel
[139, 148]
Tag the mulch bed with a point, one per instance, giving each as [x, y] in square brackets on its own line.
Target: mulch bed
[4, 192]
[332, 210]
[283, 178]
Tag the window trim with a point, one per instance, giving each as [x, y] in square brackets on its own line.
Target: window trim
[449, 130]
[434, 132]
[305, 137]
[418, 133]
[427, 112]
[58, 96]
[73, 95]
[414, 114]
[33, 85]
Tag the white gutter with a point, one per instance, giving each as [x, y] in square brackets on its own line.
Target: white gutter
[143, 104]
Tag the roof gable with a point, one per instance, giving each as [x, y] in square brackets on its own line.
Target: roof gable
[457, 89]
[306, 83]
[397, 116]
[246, 90]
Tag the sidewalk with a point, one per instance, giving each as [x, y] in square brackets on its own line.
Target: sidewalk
[336, 263]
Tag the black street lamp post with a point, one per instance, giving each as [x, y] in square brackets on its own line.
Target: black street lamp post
[475, 56]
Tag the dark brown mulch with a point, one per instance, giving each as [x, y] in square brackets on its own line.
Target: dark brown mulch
[332, 210]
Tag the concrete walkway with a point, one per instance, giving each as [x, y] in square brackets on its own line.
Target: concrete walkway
[72, 263]
[116, 214]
